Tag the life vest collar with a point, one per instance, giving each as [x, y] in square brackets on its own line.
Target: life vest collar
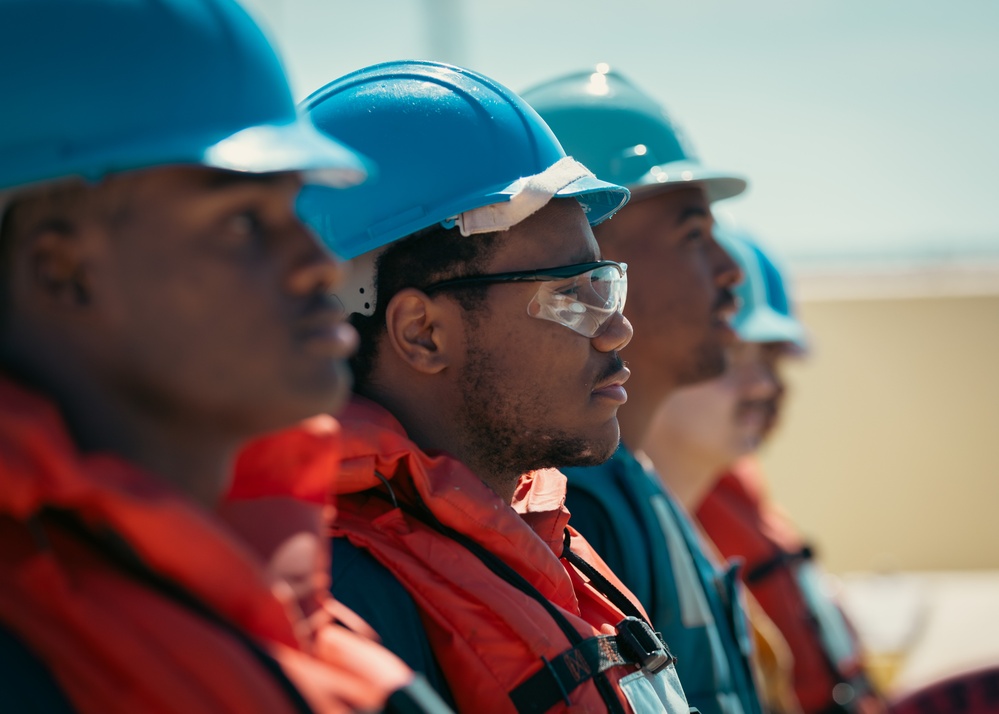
[375, 442]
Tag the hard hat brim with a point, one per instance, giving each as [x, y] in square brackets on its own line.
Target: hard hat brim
[717, 184]
[599, 199]
[764, 324]
[297, 146]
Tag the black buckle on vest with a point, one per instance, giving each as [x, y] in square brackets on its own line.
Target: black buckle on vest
[639, 641]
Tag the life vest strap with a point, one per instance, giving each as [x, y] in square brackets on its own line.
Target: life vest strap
[599, 581]
[561, 675]
[782, 559]
[635, 644]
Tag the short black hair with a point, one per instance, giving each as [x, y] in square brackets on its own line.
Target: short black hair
[416, 261]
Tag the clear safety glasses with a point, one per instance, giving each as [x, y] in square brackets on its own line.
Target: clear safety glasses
[583, 297]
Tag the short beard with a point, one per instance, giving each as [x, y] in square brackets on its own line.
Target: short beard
[709, 362]
[508, 434]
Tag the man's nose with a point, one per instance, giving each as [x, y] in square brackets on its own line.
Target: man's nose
[316, 268]
[725, 271]
[759, 382]
[615, 336]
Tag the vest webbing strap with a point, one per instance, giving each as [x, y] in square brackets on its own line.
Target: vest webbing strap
[561, 675]
[780, 560]
[601, 583]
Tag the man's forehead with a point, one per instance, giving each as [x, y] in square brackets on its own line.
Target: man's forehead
[558, 234]
[686, 203]
[673, 199]
[209, 180]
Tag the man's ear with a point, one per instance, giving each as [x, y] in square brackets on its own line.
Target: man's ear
[419, 330]
[52, 263]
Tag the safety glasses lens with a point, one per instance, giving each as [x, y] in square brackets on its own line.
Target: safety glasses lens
[584, 303]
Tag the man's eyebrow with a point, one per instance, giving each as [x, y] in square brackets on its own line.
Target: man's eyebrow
[584, 257]
[221, 180]
[691, 212]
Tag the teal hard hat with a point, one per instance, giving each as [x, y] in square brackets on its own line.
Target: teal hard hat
[766, 312]
[624, 135]
[451, 146]
[99, 86]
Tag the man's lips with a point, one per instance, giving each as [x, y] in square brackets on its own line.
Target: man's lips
[721, 316]
[725, 306]
[327, 332]
[726, 312]
[613, 387]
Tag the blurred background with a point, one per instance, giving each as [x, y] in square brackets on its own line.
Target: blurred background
[870, 135]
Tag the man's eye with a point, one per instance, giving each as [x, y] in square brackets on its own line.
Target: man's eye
[569, 289]
[245, 223]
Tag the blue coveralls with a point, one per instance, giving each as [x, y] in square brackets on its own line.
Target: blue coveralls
[649, 542]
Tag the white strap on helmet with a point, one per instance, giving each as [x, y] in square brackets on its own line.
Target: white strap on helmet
[530, 195]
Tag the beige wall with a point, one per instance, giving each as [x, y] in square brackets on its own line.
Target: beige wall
[887, 454]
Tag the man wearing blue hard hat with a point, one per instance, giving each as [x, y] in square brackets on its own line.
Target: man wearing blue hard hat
[490, 326]
[705, 427]
[160, 304]
[680, 303]
[704, 439]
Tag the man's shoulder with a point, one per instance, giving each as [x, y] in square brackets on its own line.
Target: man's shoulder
[371, 590]
[355, 569]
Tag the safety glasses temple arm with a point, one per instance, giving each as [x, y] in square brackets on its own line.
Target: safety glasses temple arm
[542, 274]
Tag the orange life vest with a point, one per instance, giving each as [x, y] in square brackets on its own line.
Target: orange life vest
[742, 522]
[452, 542]
[137, 600]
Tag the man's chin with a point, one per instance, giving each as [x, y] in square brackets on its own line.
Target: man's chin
[329, 390]
[708, 364]
[565, 452]
[596, 453]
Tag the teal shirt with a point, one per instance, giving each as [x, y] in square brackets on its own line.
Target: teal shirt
[648, 541]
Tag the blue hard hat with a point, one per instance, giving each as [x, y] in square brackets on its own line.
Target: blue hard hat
[623, 134]
[98, 86]
[765, 313]
[446, 141]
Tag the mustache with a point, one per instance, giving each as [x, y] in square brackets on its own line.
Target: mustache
[767, 406]
[319, 302]
[615, 365]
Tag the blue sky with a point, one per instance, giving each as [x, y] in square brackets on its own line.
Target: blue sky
[867, 128]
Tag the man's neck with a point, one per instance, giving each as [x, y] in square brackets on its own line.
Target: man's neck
[646, 391]
[429, 429]
[185, 457]
[503, 485]
[687, 473]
